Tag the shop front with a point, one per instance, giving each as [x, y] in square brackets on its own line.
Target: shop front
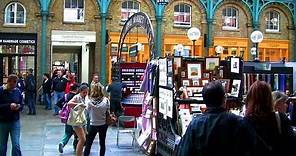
[273, 50]
[18, 53]
[237, 47]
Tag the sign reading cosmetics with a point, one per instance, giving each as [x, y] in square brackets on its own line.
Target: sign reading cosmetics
[17, 53]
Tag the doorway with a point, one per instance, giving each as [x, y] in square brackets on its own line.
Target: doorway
[67, 58]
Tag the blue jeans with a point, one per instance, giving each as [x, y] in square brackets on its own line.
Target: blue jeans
[31, 100]
[56, 97]
[13, 129]
[47, 100]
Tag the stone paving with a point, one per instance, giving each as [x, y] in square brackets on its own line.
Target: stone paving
[41, 134]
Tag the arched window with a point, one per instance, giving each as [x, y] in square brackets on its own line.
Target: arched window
[74, 11]
[182, 15]
[15, 13]
[230, 18]
[272, 19]
[128, 8]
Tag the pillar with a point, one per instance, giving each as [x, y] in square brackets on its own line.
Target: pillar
[103, 55]
[159, 36]
[43, 61]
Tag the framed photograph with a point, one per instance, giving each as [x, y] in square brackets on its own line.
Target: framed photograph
[195, 82]
[166, 102]
[185, 82]
[182, 72]
[234, 62]
[204, 81]
[177, 64]
[235, 88]
[225, 84]
[212, 62]
[163, 72]
[207, 75]
[194, 70]
[192, 90]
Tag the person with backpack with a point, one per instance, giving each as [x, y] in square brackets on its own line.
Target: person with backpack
[62, 104]
[30, 92]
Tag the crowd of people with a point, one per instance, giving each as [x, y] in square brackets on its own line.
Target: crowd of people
[265, 128]
[90, 101]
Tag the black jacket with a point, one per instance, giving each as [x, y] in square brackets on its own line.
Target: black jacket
[47, 86]
[217, 133]
[6, 98]
[59, 84]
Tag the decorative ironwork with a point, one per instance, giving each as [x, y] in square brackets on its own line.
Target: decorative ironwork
[139, 19]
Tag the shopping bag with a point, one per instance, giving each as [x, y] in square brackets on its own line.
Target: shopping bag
[77, 116]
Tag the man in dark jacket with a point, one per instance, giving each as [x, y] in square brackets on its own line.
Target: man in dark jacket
[115, 89]
[216, 132]
[10, 106]
[30, 92]
[58, 85]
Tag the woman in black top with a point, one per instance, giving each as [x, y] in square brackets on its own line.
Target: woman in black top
[273, 129]
[46, 85]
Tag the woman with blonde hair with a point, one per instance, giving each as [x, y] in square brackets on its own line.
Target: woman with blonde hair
[273, 129]
[280, 99]
[78, 103]
[97, 107]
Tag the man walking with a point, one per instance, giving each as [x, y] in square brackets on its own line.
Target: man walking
[10, 106]
[30, 89]
[58, 85]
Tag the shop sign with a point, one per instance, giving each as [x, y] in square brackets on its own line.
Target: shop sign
[16, 41]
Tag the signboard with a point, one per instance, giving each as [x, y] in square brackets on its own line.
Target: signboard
[139, 19]
[133, 51]
[18, 39]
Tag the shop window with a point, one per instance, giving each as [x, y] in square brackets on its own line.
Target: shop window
[272, 19]
[15, 14]
[230, 18]
[128, 8]
[74, 11]
[182, 15]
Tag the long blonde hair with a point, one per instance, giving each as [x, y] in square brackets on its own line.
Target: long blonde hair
[96, 92]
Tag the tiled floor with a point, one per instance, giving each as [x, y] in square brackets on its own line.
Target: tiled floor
[41, 134]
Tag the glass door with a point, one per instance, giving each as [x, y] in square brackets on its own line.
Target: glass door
[5, 67]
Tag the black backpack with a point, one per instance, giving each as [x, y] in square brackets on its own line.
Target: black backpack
[31, 85]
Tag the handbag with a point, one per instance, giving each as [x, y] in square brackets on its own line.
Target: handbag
[110, 118]
[77, 116]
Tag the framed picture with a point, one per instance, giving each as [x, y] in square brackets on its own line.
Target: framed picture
[234, 62]
[195, 82]
[192, 90]
[204, 81]
[162, 63]
[194, 70]
[225, 84]
[206, 75]
[177, 64]
[182, 72]
[235, 88]
[185, 82]
[212, 62]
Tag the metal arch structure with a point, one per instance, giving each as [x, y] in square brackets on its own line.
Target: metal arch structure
[139, 19]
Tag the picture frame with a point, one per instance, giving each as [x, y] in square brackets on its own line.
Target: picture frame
[234, 64]
[177, 64]
[186, 82]
[206, 75]
[195, 82]
[194, 90]
[211, 63]
[194, 70]
[225, 84]
[204, 81]
[235, 88]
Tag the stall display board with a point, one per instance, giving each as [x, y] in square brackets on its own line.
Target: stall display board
[131, 74]
[166, 102]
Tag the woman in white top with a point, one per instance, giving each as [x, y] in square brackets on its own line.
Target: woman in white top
[81, 100]
[97, 107]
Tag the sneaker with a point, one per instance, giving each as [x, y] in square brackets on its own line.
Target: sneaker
[61, 146]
